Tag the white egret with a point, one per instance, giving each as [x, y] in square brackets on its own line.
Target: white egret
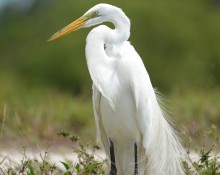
[130, 124]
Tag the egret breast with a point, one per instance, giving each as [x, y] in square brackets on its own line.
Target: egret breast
[121, 127]
[120, 123]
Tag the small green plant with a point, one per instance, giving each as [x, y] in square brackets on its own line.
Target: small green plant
[207, 164]
[87, 164]
[28, 166]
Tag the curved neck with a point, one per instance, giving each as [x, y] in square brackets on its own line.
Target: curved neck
[104, 35]
[122, 28]
[120, 33]
[99, 64]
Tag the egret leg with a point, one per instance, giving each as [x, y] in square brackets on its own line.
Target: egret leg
[135, 160]
[112, 156]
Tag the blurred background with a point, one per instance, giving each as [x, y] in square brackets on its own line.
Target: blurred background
[45, 86]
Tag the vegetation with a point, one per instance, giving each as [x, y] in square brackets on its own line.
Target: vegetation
[177, 40]
[45, 87]
[86, 164]
[33, 114]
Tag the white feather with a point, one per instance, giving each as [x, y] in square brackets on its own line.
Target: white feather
[126, 107]
[137, 117]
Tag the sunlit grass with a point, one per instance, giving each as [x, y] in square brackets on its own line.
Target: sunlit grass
[206, 162]
[32, 114]
[179, 44]
[197, 112]
[36, 112]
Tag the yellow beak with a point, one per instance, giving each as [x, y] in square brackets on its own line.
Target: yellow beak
[77, 24]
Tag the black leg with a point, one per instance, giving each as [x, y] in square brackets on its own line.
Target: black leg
[135, 160]
[112, 156]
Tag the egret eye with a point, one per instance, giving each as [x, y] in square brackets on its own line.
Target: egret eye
[93, 14]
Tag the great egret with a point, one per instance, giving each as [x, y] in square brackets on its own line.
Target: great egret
[130, 124]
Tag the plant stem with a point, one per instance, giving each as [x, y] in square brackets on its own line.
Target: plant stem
[3, 120]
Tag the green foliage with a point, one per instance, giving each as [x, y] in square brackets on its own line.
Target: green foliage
[29, 166]
[197, 112]
[45, 86]
[35, 113]
[177, 40]
[206, 165]
[86, 164]
[208, 161]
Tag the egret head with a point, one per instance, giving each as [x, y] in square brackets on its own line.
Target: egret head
[96, 15]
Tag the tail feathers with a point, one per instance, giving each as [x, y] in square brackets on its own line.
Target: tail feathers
[165, 153]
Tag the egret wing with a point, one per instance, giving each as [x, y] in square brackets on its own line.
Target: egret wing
[159, 139]
[100, 131]
[141, 89]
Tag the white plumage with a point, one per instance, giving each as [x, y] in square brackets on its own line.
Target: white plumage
[125, 105]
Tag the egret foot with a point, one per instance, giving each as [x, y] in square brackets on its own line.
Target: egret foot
[112, 156]
[135, 160]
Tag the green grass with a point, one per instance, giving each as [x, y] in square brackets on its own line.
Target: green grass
[34, 113]
[177, 40]
[197, 113]
[86, 164]
[45, 87]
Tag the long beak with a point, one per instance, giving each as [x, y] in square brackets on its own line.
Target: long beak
[75, 25]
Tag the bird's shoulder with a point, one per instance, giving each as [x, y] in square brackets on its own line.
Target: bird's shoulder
[119, 50]
[136, 73]
[130, 61]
